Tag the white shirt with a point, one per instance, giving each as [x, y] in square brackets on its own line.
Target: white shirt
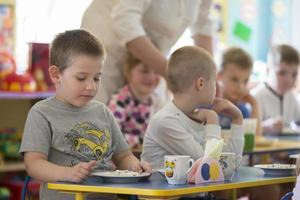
[116, 22]
[296, 190]
[171, 132]
[272, 105]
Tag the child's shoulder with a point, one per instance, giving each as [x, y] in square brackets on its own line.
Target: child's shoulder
[167, 112]
[259, 90]
[42, 104]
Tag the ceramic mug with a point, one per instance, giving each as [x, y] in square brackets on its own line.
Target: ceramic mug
[230, 162]
[177, 168]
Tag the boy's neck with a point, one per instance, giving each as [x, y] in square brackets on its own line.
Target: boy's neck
[184, 103]
[274, 89]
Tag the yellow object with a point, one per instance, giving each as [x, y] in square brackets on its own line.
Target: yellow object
[213, 148]
[79, 189]
[214, 171]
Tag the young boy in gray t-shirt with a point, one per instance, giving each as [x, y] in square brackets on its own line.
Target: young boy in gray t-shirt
[68, 135]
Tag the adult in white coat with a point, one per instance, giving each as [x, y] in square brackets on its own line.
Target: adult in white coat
[136, 25]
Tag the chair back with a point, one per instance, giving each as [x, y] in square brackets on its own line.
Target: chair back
[287, 196]
[25, 188]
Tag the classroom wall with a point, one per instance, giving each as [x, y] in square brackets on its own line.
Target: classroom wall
[13, 113]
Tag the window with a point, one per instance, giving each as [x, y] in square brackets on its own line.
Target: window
[39, 21]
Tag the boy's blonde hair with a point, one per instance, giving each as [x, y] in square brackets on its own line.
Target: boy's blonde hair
[187, 64]
[282, 54]
[238, 57]
[71, 43]
[130, 63]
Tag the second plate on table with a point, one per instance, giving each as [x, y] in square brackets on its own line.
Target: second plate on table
[277, 169]
[121, 176]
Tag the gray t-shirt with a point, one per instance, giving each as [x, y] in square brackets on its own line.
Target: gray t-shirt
[69, 135]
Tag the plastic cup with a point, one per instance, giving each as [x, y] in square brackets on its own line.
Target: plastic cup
[249, 134]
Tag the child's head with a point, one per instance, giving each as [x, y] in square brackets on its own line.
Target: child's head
[141, 79]
[192, 71]
[282, 64]
[234, 73]
[76, 59]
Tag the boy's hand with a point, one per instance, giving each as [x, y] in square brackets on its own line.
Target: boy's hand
[248, 98]
[80, 171]
[225, 107]
[141, 167]
[274, 125]
[205, 115]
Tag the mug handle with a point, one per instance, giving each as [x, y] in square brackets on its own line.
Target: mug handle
[239, 161]
[191, 163]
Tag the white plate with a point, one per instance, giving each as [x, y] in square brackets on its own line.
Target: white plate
[277, 169]
[295, 156]
[121, 176]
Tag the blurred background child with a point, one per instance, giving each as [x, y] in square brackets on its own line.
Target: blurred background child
[276, 98]
[134, 104]
[233, 76]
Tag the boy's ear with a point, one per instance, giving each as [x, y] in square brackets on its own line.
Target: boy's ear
[54, 74]
[200, 83]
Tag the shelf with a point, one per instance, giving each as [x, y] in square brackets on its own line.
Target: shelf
[12, 167]
[25, 95]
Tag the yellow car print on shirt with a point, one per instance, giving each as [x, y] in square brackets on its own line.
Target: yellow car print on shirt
[97, 149]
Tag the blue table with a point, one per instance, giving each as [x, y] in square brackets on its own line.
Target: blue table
[157, 186]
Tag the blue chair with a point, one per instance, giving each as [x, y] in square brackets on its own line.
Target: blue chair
[287, 196]
[25, 189]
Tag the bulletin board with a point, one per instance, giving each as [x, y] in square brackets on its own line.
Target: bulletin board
[220, 18]
[7, 26]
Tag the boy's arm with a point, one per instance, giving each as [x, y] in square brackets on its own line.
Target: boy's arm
[255, 111]
[225, 107]
[273, 125]
[38, 167]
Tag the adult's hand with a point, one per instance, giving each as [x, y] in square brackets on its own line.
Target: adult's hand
[143, 49]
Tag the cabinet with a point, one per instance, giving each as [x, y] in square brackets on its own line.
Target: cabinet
[13, 113]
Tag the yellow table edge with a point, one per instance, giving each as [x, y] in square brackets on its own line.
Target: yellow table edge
[165, 192]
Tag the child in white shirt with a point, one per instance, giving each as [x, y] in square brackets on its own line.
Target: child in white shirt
[184, 125]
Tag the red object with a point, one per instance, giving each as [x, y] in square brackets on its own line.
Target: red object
[39, 65]
[18, 83]
[15, 188]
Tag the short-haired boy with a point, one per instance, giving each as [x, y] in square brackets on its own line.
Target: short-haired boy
[184, 125]
[234, 74]
[68, 135]
[276, 98]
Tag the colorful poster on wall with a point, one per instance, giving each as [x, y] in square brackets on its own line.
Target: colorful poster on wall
[7, 27]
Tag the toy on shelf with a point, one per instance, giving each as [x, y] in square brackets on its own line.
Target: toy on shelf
[9, 143]
[19, 83]
[11, 80]
[7, 64]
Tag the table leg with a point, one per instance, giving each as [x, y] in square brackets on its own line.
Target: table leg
[232, 194]
[251, 159]
[79, 196]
